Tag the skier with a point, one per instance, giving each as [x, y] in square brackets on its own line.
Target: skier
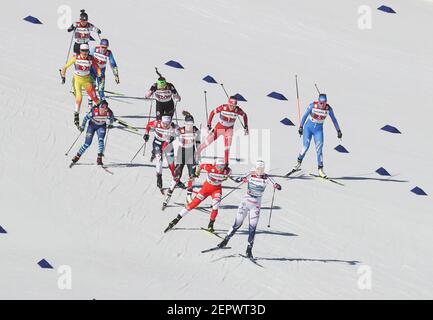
[315, 117]
[251, 204]
[228, 114]
[82, 30]
[82, 79]
[216, 174]
[164, 93]
[99, 117]
[102, 56]
[165, 133]
[189, 140]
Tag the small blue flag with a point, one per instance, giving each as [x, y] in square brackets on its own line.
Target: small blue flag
[391, 129]
[386, 9]
[382, 171]
[2, 230]
[32, 19]
[44, 264]
[287, 122]
[239, 97]
[209, 79]
[341, 149]
[419, 191]
[277, 96]
[174, 64]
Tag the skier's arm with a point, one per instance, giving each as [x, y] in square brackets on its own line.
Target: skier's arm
[72, 27]
[97, 68]
[211, 115]
[95, 29]
[274, 184]
[113, 63]
[151, 91]
[86, 119]
[110, 117]
[67, 65]
[245, 116]
[176, 95]
[304, 117]
[150, 125]
[242, 178]
[334, 119]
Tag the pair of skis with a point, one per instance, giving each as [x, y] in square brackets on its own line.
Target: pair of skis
[316, 176]
[101, 166]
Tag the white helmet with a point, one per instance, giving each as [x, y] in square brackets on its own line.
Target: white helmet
[84, 47]
[166, 120]
[260, 167]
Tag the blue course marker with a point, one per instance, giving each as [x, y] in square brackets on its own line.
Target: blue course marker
[386, 9]
[287, 122]
[2, 230]
[239, 97]
[44, 264]
[341, 149]
[277, 96]
[209, 79]
[382, 171]
[419, 191]
[174, 64]
[391, 129]
[32, 19]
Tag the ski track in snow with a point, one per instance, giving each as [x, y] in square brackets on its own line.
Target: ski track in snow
[109, 228]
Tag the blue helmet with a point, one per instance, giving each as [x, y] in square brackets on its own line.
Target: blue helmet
[104, 42]
[323, 97]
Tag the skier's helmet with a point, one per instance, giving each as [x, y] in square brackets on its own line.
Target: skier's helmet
[84, 47]
[260, 167]
[220, 164]
[161, 83]
[323, 98]
[166, 121]
[104, 43]
[83, 16]
[233, 101]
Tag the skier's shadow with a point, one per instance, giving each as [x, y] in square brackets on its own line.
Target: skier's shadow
[223, 232]
[128, 165]
[360, 177]
[349, 262]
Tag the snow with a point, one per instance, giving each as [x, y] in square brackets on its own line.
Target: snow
[108, 228]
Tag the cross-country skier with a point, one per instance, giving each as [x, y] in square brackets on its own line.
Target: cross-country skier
[251, 204]
[189, 140]
[216, 175]
[82, 79]
[82, 31]
[313, 119]
[164, 93]
[103, 56]
[227, 117]
[165, 133]
[99, 117]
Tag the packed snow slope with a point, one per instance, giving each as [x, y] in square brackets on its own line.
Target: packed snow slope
[323, 237]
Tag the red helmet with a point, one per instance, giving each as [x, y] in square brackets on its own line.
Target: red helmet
[233, 101]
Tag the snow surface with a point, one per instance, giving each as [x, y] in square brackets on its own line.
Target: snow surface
[109, 228]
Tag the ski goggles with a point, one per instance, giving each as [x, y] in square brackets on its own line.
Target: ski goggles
[161, 84]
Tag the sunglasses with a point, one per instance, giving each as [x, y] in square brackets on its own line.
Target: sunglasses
[85, 51]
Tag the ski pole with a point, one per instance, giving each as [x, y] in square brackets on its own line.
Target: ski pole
[75, 141]
[272, 207]
[138, 151]
[222, 86]
[236, 188]
[106, 140]
[69, 50]
[175, 112]
[297, 96]
[205, 104]
[317, 88]
[148, 120]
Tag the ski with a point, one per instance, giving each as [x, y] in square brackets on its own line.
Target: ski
[72, 164]
[328, 179]
[106, 170]
[292, 172]
[165, 203]
[214, 248]
[252, 259]
[212, 232]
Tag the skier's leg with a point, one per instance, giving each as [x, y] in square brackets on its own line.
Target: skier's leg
[101, 131]
[78, 95]
[228, 137]
[213, 135]
[216, 200]
[169, 155]
[240, 216]
[159, 110]
[89, 137]
[318, 141]
[308, 133]
[91, 90]
[254, 214]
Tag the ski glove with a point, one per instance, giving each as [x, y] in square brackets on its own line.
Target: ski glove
[246, 131]
[71, 28]
[81, 129]
[209, 127]
[116, 78]
[63, 80]
[99, 31]
[339, 134]
[300, 131]
[277, 186]
[146, 137]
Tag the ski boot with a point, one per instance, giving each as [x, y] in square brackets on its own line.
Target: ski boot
[167, 199]
[223, 243]
[297, 166]
[77, 120]
[180, 185]
[159, 180]
[210, 226]
[152, 157]
[173, 223]
[249, 252]
[322, 174]
[76, 158]
[99, 159]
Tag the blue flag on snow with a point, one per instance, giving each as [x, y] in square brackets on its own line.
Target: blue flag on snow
[341, 149]
[391, 129]
[419, 191]
[386, 9]
[33, 20]
[209, 79]
[287, 122]
[239, 97]
[277, 96]
[44, 264]
[174, 64]
[2, 230]
[382, 171]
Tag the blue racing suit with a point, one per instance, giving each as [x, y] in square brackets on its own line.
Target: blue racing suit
[102, 57]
